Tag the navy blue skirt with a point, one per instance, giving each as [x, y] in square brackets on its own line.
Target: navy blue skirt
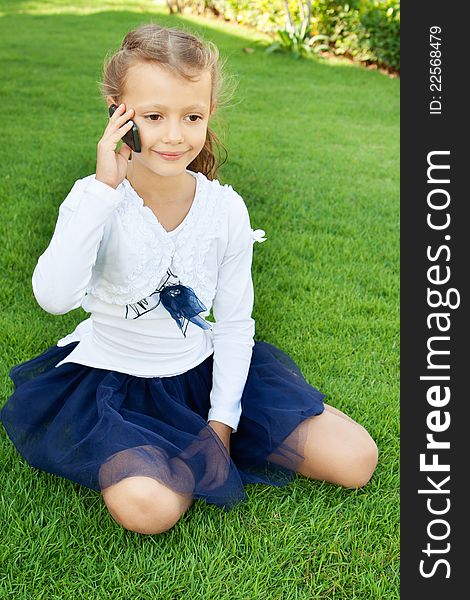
[95, 426]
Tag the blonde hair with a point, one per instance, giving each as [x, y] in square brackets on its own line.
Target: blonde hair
[183, 54]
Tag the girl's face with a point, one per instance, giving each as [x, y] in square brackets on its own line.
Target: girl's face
[172, 115]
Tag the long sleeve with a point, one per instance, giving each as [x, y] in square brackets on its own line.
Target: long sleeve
[234, 328]
[63, 271]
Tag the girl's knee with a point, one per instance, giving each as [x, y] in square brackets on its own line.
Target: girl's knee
[337, 450]
[144, 505]
[360, 463]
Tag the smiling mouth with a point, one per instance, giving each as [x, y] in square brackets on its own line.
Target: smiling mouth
[170, 157]
[170, 153]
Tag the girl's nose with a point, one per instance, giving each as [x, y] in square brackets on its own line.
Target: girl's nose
[173, 133]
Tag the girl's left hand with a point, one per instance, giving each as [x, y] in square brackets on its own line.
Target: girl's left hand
[223, 431]
[216, 460]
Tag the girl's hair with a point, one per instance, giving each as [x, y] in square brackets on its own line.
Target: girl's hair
[183, 54]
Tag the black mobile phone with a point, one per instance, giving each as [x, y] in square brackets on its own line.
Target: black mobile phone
[131, 138]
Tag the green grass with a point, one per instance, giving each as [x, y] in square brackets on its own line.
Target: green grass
[313, 149]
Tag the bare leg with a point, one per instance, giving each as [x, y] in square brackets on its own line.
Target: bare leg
[335, 449]
[144, 505]
[336, 411]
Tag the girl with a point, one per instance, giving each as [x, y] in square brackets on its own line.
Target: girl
[147, 401]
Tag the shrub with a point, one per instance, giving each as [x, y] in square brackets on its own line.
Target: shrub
[381, 20]
[364, 30]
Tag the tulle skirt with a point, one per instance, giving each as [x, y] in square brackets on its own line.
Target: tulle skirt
[96, 427]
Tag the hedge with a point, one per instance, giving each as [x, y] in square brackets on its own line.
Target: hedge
[364, 30]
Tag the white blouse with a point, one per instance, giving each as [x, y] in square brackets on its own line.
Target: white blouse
[110, 255]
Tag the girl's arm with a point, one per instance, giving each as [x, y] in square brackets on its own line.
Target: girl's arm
[63, 271]
[223, 431]
[234, 328]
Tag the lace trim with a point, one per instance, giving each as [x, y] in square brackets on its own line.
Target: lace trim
[152, 250]
[156, 250]
[154, 256]
[193, 244]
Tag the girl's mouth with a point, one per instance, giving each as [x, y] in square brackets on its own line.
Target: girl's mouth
[169, 155]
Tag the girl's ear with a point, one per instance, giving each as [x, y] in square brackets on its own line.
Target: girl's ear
[110, 100]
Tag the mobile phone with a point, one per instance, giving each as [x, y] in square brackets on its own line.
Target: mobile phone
[131, 138]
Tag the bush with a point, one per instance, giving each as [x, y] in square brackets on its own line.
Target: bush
[341, 23]
[367, 30]
[364, 30]
[381, 20]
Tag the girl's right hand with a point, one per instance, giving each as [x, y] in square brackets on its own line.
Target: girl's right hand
[111, 167]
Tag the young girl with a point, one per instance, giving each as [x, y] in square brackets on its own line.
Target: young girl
[147, 401]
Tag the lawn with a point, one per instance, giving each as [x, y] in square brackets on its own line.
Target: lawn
[313, 150]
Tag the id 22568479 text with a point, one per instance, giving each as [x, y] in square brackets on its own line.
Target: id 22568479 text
[435, 70]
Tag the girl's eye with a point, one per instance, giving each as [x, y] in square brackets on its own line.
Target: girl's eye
[156, 117]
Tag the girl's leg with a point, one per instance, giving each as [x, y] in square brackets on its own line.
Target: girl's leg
[335, 449]
[144, 505]
[335, 411]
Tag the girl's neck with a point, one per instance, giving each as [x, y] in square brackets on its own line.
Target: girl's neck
[156, 189]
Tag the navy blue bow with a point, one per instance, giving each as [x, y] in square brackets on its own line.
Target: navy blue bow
[183, 305]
